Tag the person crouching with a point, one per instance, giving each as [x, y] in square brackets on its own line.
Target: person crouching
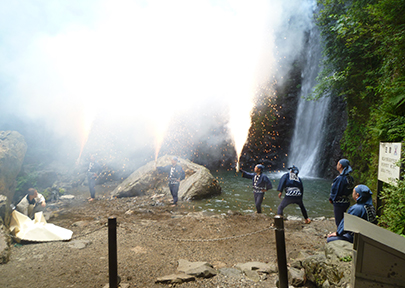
[32, 203]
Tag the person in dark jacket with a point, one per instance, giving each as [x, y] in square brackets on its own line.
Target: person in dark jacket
[92, 173]
[261, 183]
[294, 190]
[175, 175]
[363, 208]
[342, 187]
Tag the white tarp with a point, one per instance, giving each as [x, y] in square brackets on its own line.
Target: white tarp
[23, 228]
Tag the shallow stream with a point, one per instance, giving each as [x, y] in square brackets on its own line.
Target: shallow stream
[237, 196]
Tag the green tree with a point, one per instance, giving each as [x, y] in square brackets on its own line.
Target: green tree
[364, 49]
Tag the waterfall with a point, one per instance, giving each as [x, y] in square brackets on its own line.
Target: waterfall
[308, 132]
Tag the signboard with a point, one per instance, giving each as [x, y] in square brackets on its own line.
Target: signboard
[390, 154]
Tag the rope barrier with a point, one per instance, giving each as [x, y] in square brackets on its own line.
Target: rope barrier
[178, 239]
[88, 233]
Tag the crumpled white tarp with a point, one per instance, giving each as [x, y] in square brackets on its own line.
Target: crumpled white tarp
[38, 230]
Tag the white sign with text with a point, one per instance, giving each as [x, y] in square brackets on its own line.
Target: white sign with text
[388, 170]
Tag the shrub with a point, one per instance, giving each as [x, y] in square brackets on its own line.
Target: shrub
[393, 214]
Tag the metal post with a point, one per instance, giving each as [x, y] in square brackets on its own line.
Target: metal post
[281, 252]
[112, 252]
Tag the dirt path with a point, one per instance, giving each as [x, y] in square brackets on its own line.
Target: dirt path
[152, 237]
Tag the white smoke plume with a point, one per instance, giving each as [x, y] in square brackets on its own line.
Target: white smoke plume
[119, 69]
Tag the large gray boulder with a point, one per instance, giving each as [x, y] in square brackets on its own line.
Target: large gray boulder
[12, 152]
[198, 184]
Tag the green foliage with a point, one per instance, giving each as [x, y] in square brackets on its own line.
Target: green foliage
[46, 193]
[393, 216]
[346, 259]
[364, 49]
[26, 181]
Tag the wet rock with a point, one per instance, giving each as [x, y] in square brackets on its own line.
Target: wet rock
[198, 184]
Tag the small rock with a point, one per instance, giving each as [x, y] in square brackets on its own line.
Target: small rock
[67, 197]
[294, 218]
[296, 276]
[231, 272]
[80, 224]
[252, 275]
[79, 244]
[257, 266]
[198, 269]
[175, 278]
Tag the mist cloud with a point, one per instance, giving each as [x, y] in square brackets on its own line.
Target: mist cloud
[129, 66]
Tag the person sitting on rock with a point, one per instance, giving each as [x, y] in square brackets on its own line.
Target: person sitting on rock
[31, 203]
[363, 208]
[175, 175]
[294, 190]
[261, 183]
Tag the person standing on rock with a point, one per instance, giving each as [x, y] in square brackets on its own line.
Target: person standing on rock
[363, 208]
[175, 175]
[261, 183]
[32, 203]
[92, 172]
[342, 186]
[294, 191]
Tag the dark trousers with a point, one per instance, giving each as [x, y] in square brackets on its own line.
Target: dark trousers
[339, 210]
[258, 201]
[292, 200]
[32, 209]
[174, 189]
[92, 185]
[346, 237]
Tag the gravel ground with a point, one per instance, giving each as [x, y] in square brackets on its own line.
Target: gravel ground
[152, 237]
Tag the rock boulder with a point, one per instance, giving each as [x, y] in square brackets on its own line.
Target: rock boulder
[198, 184]
[4, 244]
[12, 152]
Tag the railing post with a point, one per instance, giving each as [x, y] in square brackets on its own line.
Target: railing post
[112, 252]
[281, 252]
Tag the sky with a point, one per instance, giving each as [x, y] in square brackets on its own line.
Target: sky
[134, 66]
